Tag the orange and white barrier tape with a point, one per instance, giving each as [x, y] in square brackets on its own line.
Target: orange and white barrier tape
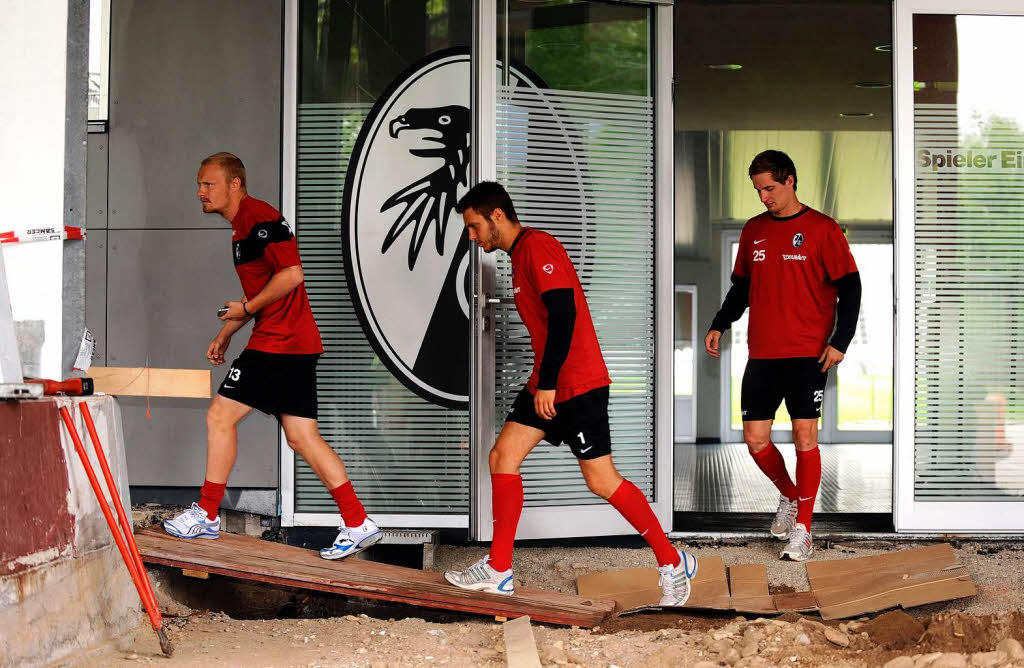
[42, 234]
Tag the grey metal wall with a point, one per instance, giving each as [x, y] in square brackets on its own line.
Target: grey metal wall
[187, 79]
[75, 128]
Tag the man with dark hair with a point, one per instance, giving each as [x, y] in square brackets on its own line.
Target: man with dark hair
[276, 373]
[564, 400]
[792, 265]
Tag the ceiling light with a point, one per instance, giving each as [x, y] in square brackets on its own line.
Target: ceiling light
[887, 48]
[730, 67]
[872, 84]
[855, 114]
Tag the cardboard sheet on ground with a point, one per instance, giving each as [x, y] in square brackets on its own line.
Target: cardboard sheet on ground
[839, 588]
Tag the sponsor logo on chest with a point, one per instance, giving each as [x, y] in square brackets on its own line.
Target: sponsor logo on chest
[798, 241]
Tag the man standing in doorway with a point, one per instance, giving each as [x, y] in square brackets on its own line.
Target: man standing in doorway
[276, 373]
[565, 398]
[792, 265]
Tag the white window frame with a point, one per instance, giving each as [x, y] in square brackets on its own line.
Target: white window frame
[691, 289]
[874, 233]
[910, 516]
[289, 130]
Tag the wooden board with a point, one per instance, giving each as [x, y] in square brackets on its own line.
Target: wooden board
[748, 588]
[520, 645]
[851, 587]
[636, 589]
[248, 558]
[147, 382]
[839, 588]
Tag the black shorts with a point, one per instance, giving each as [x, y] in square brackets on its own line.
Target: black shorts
[580, 422]
[275, 383]
[798, 380]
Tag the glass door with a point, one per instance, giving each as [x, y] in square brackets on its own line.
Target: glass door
[960, 221]
[393, 381]
[581, 131]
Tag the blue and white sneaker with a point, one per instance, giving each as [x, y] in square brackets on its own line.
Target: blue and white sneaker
[481, 577]
[193, 523]
[352, 540]
[675, 581]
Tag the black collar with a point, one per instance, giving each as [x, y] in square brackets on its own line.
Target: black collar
[518, 237]
[795, 215]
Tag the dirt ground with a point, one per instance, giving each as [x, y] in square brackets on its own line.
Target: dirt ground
[222, 623]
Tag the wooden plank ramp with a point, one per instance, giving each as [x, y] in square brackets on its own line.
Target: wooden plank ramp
[247, 558]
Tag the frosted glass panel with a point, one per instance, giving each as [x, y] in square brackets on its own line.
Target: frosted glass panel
[969, 261]
[581, 166]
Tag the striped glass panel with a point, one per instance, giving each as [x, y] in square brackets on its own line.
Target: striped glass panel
[404, 454]
[581, 166]
[969, 257]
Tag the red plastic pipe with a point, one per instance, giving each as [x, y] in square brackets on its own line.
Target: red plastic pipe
[115, 500]
[154, 613]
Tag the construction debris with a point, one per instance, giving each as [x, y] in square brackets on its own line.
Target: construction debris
[840, 588]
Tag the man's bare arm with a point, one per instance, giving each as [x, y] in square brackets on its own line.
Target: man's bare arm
[279, 285]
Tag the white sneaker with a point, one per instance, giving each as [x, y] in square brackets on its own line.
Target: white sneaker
[193, 523]
[481, 577]
[353, 540]
[799, 546]
[785, 518]
[675, 581]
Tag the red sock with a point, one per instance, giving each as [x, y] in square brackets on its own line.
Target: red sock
[808, 478]
[632, 504]
[770, 461]
[352, 512]
[506, 507]
[210, 496]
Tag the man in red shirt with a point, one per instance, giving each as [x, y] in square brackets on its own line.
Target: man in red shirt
[564, 400]
[276, 373]
[792, 265]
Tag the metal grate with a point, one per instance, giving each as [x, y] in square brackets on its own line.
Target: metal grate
[969, 308]
[581, 166]
[404, 454]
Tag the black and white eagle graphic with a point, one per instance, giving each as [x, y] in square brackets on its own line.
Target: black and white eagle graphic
[428, 203]
[407, 269]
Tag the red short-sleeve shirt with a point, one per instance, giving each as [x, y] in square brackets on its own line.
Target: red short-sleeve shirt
[263, 244]
[539, 264]
[792, 263]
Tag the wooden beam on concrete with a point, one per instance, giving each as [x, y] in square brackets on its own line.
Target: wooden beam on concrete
[147, 382]
[248, 558]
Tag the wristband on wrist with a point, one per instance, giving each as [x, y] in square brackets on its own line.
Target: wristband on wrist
[246, 310]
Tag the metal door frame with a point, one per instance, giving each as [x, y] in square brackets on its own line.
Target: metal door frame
[910, 516]
[601, 519]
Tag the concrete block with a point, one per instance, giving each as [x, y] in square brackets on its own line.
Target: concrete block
[63, 584]
[65, 606]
